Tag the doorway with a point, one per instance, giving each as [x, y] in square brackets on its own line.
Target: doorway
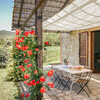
[95, 48]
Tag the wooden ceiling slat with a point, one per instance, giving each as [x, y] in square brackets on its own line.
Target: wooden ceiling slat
[48, 5]
[61, 1]
[33, 11]
[20, 12]
[29, 10]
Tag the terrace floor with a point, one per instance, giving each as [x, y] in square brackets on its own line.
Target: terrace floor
[57, 94]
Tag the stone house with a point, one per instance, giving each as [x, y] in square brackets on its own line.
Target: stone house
[82, 48]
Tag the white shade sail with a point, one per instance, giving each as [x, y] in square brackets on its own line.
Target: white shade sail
[80, 14]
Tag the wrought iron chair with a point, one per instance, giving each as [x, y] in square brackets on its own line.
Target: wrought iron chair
[83, 81]
[58, 75]
[62, 79]
[55, 76]
[65, 80]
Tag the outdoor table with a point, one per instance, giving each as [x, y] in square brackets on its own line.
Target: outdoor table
[72, 74]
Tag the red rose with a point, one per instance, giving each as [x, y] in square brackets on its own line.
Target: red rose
[16, 38]
[22, 95]
[23, 38]
[42, 90]
[25, 82]
[34, 84]
[21, 66]
[23, 69]
[17, 42]
[50, 73]
[18, 46]
[27, 95]
[42, 79]
[20, 40]
[17, 32]
[37, 82]
[51, 84]
[33, 81]
[29, 84]
[24, 48]
[24, 55]
[29, 65]
[32, 32]
[26, 61]
[29, 52]
[35, 71]
[27, 33]
[26, 76]
[36, 49]
[46, 43]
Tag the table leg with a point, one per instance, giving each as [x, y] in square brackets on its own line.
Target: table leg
[70, 92]
[71, 87]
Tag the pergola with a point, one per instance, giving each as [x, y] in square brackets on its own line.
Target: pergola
[56, 16]
[24, 11]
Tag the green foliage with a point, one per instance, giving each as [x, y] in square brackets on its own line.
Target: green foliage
[3, 57]
[14, 73]
[52, 38]
[8, 90]
[51, 55]
[18, 58]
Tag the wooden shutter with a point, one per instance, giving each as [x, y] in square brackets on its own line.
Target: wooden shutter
[83, 48]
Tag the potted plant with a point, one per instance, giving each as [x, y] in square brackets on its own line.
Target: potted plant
[66, 60]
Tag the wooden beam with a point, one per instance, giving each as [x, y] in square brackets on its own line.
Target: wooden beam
[30, 10]
[48, 0]
[56, 1]
[33, 11]
[44, 5]
[20, 13]
[38, 31]
[45, 13]
[64, 4]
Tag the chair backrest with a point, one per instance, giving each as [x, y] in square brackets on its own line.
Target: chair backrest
[86, 76]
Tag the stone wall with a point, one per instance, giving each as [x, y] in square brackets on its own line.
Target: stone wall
[70, 47]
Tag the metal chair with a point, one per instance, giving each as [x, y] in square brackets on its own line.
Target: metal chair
[83, 82]
[65, 80]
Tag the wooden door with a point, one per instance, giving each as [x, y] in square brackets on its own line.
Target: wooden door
[83, 48]
[95, 54]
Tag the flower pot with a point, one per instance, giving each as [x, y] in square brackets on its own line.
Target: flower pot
[66, 63]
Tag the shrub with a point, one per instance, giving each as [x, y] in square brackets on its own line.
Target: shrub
[52, 38]
[3, 57]
[16, 58]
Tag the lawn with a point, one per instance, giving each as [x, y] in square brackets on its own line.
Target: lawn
[8, 90]
[51, 55]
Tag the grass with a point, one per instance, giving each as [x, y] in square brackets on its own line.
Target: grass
[51, 55]
[8, 90]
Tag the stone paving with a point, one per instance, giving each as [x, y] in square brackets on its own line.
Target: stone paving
[57, 94]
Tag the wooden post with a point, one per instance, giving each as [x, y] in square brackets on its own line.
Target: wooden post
[38, 31]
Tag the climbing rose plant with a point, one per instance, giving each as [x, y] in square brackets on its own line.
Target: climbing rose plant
[33, 76]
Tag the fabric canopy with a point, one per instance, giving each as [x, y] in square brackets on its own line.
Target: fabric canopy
[80, 14]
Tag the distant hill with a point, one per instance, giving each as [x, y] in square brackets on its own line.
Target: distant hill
[4, 33]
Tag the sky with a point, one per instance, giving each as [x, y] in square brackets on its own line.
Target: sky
[6, 14]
